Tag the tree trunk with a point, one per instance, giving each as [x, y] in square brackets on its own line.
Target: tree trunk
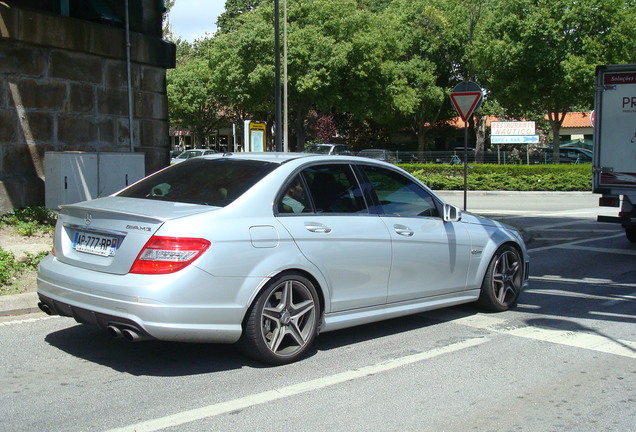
[300, 133]
[481, 139]
[556, 120]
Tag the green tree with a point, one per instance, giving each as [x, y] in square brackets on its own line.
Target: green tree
[539, 56]
[166, 27]
[227, 21]
[336, 48]
[429, 63]
[192, 103]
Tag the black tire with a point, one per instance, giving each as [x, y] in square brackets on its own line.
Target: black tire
[502, 283]
[282, 323]
[631, 234]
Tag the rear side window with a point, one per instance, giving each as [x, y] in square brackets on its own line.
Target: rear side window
[214, 182]
[398, 195]
[323, 189]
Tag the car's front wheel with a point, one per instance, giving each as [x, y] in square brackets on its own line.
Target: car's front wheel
[282, 323]
[502, 284]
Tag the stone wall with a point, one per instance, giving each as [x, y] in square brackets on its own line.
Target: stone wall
[63, 87]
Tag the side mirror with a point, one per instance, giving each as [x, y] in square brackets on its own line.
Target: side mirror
[452, 213]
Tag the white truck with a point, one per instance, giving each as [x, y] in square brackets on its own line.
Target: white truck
[614, 166]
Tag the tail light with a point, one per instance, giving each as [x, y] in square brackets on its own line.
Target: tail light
[163, 255]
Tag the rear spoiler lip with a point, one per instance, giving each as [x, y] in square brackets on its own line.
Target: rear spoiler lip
[90, 206]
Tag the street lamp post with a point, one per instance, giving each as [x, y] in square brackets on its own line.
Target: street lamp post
[278, 138]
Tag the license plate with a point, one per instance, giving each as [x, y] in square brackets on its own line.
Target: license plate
[94, 243]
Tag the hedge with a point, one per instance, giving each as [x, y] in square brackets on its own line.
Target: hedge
[565, 177]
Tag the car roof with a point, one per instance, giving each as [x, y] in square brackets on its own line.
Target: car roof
[281, 158]
[275, 157]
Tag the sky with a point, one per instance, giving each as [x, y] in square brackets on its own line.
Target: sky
[192, 19]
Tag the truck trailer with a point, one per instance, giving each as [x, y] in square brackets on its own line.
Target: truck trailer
[614, 164]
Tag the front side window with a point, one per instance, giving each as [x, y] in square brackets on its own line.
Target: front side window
[214, 182]
[398, 195]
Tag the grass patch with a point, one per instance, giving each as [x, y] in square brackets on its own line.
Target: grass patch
[27, 222]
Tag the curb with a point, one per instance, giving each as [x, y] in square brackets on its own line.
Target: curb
[19, 304]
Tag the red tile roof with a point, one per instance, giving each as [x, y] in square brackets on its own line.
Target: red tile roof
[572, 120]
[577, 120]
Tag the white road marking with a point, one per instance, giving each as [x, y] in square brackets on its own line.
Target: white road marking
[585, 281]
[618, 299]
[594, 342]
[561, 293]
[28, 320]
[292, 390]
[573, 245]
[611, 315]
[605, 250]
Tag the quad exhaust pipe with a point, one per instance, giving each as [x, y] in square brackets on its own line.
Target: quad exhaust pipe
[130, 334]
[126, 330]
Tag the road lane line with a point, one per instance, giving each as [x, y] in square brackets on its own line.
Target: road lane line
[589, 341]
[586, 281]
[292, 390]
[604, 250]
[571, 245]
[616, 300]
[612, 315]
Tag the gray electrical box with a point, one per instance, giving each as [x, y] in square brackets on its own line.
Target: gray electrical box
[79, 176]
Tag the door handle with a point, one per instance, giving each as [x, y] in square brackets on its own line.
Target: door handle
[317, 227]
[403, 230]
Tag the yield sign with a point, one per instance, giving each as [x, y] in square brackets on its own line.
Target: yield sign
[466, 98]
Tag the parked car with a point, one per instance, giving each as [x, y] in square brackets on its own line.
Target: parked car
[331, 149]
[566, 155]
[378, 154]
[267, 250]
[575, 155]
[187, 154]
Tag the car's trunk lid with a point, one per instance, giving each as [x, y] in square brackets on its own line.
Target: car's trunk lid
[107, 234]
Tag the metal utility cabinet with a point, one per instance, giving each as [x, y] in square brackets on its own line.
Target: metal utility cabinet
[79, 176]
[614, 169]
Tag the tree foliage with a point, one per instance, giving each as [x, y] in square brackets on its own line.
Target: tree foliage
[539, 56]
[376, 66]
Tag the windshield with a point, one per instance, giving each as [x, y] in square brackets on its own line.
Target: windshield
[214, 182]
[318, 149]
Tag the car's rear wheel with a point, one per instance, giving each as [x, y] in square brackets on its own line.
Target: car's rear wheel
[282, 323]
[502, 283]
[631, 234]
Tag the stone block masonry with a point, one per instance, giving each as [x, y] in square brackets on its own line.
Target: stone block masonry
[63, 87]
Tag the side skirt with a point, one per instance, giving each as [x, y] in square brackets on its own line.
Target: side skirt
[355, 317]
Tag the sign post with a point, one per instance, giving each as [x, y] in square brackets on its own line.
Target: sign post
[466, 98]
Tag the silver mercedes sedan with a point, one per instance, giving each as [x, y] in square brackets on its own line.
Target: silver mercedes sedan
[267, 250]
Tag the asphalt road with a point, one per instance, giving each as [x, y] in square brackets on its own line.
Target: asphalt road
[563, 360]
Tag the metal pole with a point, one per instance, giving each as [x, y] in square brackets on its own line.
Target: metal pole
[465, 163]
[129, 73]
[278, 115]
[285, 116]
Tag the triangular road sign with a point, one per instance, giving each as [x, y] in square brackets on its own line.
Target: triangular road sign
[466, 98]
[465, 102]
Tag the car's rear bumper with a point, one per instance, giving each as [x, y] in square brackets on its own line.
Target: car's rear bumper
[183, 309]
